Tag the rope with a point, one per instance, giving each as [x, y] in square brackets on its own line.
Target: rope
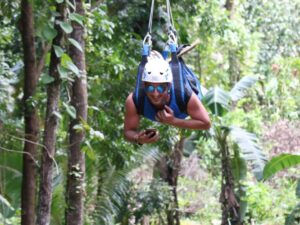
[170, 23]
[151, 18]
[171, 29]
[170, 17]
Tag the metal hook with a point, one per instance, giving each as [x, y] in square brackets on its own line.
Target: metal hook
[147, 39]
[172, 38]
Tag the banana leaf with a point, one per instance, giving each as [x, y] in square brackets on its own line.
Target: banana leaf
[217, 100]
[279, 163]
[250, 149]
[239, 89]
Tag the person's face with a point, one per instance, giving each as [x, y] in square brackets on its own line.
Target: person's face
[157, 93]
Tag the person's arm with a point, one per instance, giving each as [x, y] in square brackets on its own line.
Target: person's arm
[199, 117]
[131, 123]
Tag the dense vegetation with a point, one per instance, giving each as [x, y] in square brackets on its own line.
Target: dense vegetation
[84, 172]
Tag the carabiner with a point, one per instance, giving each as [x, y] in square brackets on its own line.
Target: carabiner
[147, 39]
[172, 38]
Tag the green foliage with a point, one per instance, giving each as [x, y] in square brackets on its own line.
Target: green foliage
[261, 38]
[262, 198]
[196, 200]
[279, 163]
[114, 191]
[294, 216]
[251, 150]
[238, 91]
[152, 199]
[217, 100]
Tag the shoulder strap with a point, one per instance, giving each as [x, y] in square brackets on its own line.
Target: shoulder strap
[178, 79]
[139, 93]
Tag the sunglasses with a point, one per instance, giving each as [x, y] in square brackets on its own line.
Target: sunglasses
[160, 88]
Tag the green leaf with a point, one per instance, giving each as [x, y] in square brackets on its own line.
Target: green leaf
[70, 4]
[63, 72]
[78, 127]
[65, 58]
[71, 66]
[217, 101]
[251, 150]
[46, 79]
[59, 1]
[66, 27]
[238, 91]
[279, 163]
[239, 168]
[298, 189]
[49, 33]
[76, 44]
[70, 110]
[90, 152]
[77, 18]
[57, 114]
[58, 51]
[3, 201]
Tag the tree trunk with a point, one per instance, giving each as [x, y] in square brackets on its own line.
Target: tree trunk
[169, 167]
[51, 123]
[230, 206]
[76, 164]
[30, 114]
[234, 63]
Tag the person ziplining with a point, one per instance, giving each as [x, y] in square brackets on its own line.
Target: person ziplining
[165, 92]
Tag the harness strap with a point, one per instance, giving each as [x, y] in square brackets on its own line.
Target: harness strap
[139, 93]
[178, 79]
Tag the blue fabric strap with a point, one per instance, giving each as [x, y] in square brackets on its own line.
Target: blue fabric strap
[173, 47]
[139, 93]
[146, 50]
[178, 81]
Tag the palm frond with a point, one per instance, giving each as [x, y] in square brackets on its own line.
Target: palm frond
[281, 162]
[116, 185]
[251, 151]
[238, 91]
[217, 100]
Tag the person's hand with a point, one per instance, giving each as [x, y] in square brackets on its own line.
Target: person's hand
[165, 116]
[147, 136]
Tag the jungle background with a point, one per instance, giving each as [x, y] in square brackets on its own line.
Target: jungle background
[66, 69]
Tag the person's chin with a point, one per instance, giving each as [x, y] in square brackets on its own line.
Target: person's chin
[156, 102]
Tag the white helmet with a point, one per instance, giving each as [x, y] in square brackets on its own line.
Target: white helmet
[157, 71]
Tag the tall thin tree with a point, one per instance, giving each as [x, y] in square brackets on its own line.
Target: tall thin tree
[51, 123]
[30, 114]
[76, 163]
